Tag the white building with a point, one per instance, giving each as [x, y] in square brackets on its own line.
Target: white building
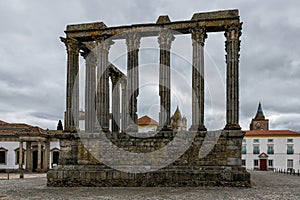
[265, 149]
[29, 148]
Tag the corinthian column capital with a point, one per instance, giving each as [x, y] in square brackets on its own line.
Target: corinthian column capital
[103, 44]
[199, 34]
[133, 41]
[165, 39]
[72, 45]
[233, 31]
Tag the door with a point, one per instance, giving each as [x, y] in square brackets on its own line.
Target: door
[35, 160]
[263, 164]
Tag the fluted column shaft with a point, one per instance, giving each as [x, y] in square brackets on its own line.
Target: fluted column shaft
[165, 39]
[90, 90]
[72, 100]
[198, 40]
[124, 104]
[133, 43]
[232, 34]
[115, 103]
[102, 102]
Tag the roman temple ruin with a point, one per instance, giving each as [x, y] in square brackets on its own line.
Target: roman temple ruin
[108, 155]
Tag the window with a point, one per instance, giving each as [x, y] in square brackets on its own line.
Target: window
[244, 140]
[244, 149]
[289, 163]
[55, 157]
[290, 149]
[255, 162]
[270, 141]
[243, 162]
[270, 149]
[255, 140]
[270, 163]
[255, 149]
[3, 156]
[289, 140]
[17, 155]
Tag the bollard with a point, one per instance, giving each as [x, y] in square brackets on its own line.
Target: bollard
[21, 175]
[298, 173]
[8, 175]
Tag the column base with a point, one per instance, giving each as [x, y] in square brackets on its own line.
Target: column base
[200, 127]
[164, 128]
[232, 127]
[39, 170]
[71, 130]
[132, 128]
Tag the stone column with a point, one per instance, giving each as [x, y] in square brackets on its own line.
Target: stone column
[90, 90]
[39, 161]
[165, 39]
[115, 103]
[124, 104]
[72, 100]
[21, 155]
[198, 38]
[46, 160]
[102, 96]
[28, 157]
[232, 34]
[133, 44]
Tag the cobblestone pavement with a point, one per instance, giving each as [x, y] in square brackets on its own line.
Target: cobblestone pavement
[266, 185]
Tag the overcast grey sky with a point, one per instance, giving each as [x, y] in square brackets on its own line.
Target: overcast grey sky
[33, 60]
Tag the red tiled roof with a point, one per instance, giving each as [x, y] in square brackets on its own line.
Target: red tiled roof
[14, 129]
[3, 123]
[145, 120]
[272, 133]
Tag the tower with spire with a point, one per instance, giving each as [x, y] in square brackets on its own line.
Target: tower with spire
[178, 122]
[259, 122]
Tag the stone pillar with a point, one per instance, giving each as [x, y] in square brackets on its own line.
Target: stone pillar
[232, 34]
[165, 39]
[133, 43]
[124, 104]
[72, 99]
[46, 160]
[115, 103]
[21, 155]
[28, 157]
[90, 90]
[198, 38]
[102, 96]
[39, 160]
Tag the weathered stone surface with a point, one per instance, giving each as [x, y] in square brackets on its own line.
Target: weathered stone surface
[220, 167]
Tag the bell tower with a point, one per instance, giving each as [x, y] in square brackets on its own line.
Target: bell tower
[259, 122]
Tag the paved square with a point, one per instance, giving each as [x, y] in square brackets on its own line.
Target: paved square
[266, 185]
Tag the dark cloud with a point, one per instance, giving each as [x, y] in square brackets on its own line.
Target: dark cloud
[33, 60]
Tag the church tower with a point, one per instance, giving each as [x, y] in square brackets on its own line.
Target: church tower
[259, 122]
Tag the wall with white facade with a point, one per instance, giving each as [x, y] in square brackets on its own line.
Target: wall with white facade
[10, 156]
[280, 157]
[54, 146]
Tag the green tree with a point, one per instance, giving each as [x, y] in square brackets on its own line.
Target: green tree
[60, 126]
